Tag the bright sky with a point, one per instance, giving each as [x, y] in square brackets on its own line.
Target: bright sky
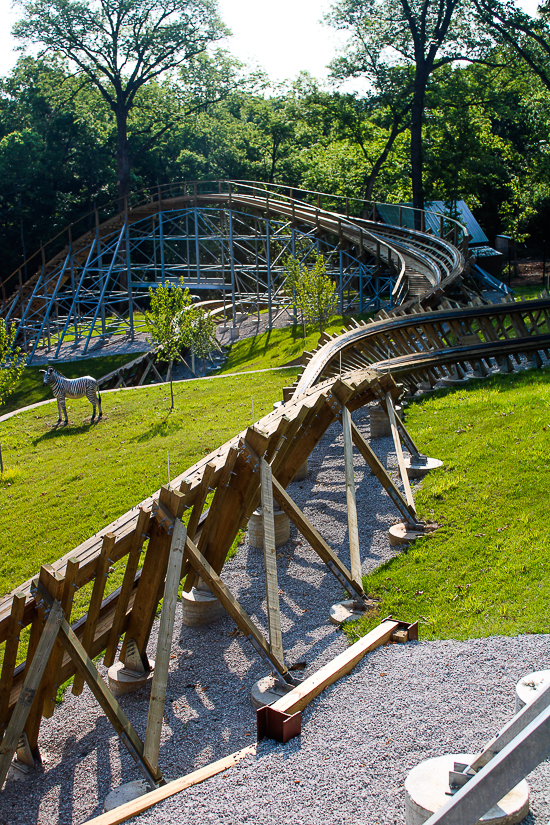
[283, 37]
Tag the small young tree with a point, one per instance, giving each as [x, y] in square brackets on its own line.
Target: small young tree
[12, 364]
[168, 322]
[314, 292]
[201, 333]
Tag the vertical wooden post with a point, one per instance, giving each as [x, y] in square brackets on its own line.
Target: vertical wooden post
[101, 573]
[399, 451]
[53, 583]
[29, 690]
[56, 657]
[10, 654]
[162, 658]
[355, 556]
[270, 561]
[127, 585]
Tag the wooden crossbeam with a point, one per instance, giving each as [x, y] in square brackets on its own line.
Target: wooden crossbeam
[56, 657]
[316, 541]
[230, 603]
[30, 688]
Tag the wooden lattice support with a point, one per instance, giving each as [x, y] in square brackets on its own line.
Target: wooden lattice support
[270, 563]
[10, 655]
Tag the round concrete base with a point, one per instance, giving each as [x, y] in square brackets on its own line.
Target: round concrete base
[427, 784]
[448, 381]
[528, 688]
[379, 422]
[123, 681]
[420, 470]
[268, 690]
[301, 472]
[347, 611]
[125, 793]
[256, 528]
[200, 607]
[403, 533]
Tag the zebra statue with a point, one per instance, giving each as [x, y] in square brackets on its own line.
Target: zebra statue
[72, 388]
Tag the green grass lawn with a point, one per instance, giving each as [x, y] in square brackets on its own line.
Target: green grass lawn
[277, 347]
[31, 387]
[486, 570]
[62, 486]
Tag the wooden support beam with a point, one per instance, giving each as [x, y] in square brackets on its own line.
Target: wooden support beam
[299, 697]
[30, 689]
[10, 655]
[151, 581]
[353, 528]
[143, 803]
[200, 498]
[52, 582]
[403, 432]
[101, 573]
[316, 541]
[270, 562]
[132, 564]
[67, 599]
[372, 460]
[162, 658]
[399, 451]
[227, 599]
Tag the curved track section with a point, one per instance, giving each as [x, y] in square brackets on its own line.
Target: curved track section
[89, 279]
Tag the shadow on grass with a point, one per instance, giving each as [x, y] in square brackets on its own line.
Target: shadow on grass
[65, 432]
[161, 429]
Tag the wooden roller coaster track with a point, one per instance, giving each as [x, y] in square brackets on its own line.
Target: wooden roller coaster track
[346, 372]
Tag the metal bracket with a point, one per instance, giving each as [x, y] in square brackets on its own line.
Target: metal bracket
[275, 724]
[412, 629]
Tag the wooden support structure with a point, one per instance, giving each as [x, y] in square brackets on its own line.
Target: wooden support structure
[399, 451]
[162, 658]
[353, 529]
[316, 541]
[102, 571]
[230, 603]
[270, 563]
[31, 686]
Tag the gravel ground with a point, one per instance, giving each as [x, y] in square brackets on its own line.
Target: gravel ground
[402, 704]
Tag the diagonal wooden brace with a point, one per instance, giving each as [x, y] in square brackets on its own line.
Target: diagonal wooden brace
[230, 603]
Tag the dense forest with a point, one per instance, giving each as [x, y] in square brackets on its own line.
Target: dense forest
[462, 113]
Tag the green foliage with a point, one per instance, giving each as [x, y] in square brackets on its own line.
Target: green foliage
[313, 291]
[12, 362]
[126, 453]
[201, 332]
[487, 569]
[167, 321]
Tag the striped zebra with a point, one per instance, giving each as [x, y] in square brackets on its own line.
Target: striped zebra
[72, 388]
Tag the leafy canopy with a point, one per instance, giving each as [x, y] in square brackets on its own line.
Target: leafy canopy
[314, 293]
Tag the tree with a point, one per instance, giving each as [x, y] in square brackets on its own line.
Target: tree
[12, 364]
[167, 322]
[120, 46]
[421, 35]
[201, 333]
[314, 293]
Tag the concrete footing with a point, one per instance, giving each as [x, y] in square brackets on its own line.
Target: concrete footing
[403, 533]
[200, 607]
[123, 680]
[418, 470]
[349, 611]
[268, 690]
[528, 688]
[125, 793]
[379, 422]
[256, 528]
[426, 790]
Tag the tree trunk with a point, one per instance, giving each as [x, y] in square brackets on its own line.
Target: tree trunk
[417, 117]
[123, 158]
[371, 180]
